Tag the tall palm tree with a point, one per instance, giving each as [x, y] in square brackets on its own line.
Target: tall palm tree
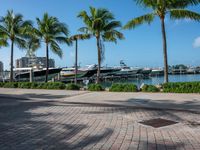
[176, 10]
[52, 32]
[76, 38]
[12, 28]
[101, 24]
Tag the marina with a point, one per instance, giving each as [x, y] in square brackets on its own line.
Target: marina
[109, 75]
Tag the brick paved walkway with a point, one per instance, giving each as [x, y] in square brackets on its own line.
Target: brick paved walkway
[57, 125]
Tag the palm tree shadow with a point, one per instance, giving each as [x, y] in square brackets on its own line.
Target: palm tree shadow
[21, 128]
[44, 96]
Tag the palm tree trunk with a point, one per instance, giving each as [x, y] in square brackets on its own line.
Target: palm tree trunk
[47, 62]
[99, 60]
[76, 61]
[11, 61]
[164, 50]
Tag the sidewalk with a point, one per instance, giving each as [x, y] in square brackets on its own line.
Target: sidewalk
[39, 93]
[74, 120]
[189, 102]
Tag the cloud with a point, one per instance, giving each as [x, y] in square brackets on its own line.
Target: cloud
[196, 43]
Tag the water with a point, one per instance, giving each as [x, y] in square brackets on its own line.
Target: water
[160, 79]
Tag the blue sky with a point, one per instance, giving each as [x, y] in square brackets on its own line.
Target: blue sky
[142, 46]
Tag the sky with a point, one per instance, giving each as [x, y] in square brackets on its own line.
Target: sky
[141, 47]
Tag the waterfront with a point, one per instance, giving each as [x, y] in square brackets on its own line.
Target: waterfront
[160, 79]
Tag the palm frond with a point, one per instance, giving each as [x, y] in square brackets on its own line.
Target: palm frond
[3, 40]
[55, 48]
[4, 30]
[148, 18]
[80, 37]
[93, 11]
[84, 30]
[86, 19]
[104, 14]
[63, 28]
[33, 44]
[112, 25]
[184, 3]
[63, 40]
[20, 43]
[112, 36]
[60, 39]
[182, 13]
[3, 43]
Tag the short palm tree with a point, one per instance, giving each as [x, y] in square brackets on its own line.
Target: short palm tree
[101, 24]
[12, 28]
[76, 38]
[52, 32]
[176, 10]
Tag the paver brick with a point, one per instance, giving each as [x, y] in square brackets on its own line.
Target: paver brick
[57, 125]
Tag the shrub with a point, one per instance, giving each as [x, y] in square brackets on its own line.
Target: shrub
[40, 85]
[150, 88]
[2, 84]
[34, 85]
[117, 87]
[54, 85]
[182, 87]
[95, 87]
[72, 86]
[11, 85]
[24, 85]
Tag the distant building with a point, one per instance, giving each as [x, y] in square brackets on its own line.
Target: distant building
[25, 62]
[1, 68]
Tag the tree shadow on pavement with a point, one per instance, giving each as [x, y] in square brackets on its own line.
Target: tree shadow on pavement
[22, 127]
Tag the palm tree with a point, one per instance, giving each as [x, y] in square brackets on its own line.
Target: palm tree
[76, 38]
[32, 44]
[102, 25]
[12, 29]
[33, 41]
[52, 32]
[176, 10]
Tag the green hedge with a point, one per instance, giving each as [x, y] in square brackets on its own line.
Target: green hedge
[95, 87]
[2, 84]
[182, 87]
[34, 85]
[150, 88]
[117, 87]
[72, 86]
[11, 85]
